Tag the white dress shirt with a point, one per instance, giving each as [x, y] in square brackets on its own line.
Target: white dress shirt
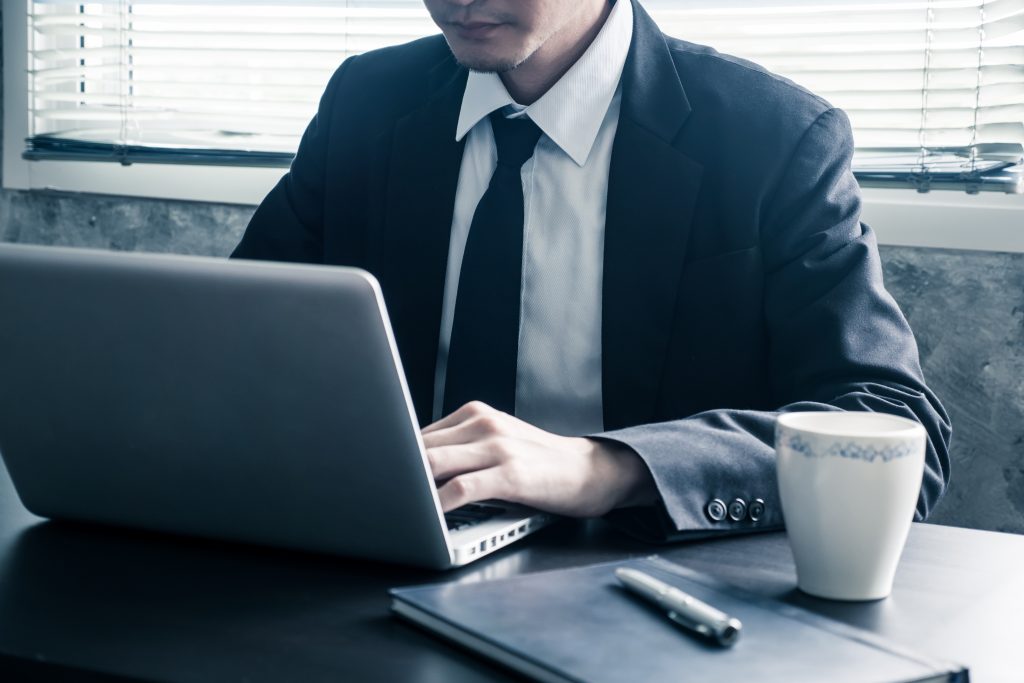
[565, 190]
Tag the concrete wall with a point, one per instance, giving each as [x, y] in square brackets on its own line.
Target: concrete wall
[967, 311]
[120, 223]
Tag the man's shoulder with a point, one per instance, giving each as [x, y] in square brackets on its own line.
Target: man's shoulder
[371, 90]
[738, 88]
[409, 63]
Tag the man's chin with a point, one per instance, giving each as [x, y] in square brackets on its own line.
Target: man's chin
[486, 63]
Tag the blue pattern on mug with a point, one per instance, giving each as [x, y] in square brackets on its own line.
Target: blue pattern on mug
[850, 449]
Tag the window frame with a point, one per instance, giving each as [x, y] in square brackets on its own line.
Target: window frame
[900, 216]
[219, 184]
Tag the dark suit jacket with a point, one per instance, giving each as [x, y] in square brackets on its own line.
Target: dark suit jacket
[738, 279]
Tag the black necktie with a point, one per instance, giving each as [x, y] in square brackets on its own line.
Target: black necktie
[484, 346]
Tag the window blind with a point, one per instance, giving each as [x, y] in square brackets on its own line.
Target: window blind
[934, 88]
[215, 81]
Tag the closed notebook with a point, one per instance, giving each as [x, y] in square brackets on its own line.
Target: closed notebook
[581, 625]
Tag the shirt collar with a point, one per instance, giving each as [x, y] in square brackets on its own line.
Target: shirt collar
[572, 111]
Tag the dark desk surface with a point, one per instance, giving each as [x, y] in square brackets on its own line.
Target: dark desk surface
[102, 603]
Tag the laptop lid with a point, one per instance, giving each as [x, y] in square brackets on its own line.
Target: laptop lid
[260, 402]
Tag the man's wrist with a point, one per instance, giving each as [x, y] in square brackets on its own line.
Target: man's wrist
[624, 472]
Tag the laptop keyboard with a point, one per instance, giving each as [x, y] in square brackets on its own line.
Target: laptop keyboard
[474, 513]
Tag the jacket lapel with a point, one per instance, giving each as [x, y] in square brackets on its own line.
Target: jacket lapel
[413, 252]
[652, 191]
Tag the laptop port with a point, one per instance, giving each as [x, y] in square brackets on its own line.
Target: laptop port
[483, 545]
[522, 529]
[512, 534]
[494, 541]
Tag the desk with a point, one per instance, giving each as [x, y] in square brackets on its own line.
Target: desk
[92, 604]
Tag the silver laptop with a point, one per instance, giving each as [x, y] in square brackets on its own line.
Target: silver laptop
[257, 402]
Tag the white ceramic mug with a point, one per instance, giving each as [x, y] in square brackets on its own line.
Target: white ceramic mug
[849, 483]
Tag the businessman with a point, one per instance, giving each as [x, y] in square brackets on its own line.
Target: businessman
[610, 259]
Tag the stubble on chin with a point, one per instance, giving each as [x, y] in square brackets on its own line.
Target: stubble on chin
[489, 67]
[488, 64]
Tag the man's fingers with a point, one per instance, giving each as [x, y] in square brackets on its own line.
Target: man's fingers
[451, 461]
[470, 410]
[473, 487]
[476, 428]
[456, 435]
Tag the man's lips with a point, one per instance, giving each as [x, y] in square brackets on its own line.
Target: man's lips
[475, 30]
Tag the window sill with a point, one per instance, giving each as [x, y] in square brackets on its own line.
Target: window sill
[941, 219]
[945, 219]
[198, 183]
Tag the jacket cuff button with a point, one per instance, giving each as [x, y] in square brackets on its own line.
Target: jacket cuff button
[716, 510]
[756, 510]
[738, 510]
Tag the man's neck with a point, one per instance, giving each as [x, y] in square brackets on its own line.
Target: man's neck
[534, 77]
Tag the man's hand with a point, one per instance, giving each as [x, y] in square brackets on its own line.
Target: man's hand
[479, 453]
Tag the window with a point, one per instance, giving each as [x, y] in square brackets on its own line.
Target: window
[220, 81]
[935, 88]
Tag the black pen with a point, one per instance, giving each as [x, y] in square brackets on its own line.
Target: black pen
[682, 608]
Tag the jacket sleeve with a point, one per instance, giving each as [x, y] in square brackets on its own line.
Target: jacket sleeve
[288, 225]
[837, 341]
